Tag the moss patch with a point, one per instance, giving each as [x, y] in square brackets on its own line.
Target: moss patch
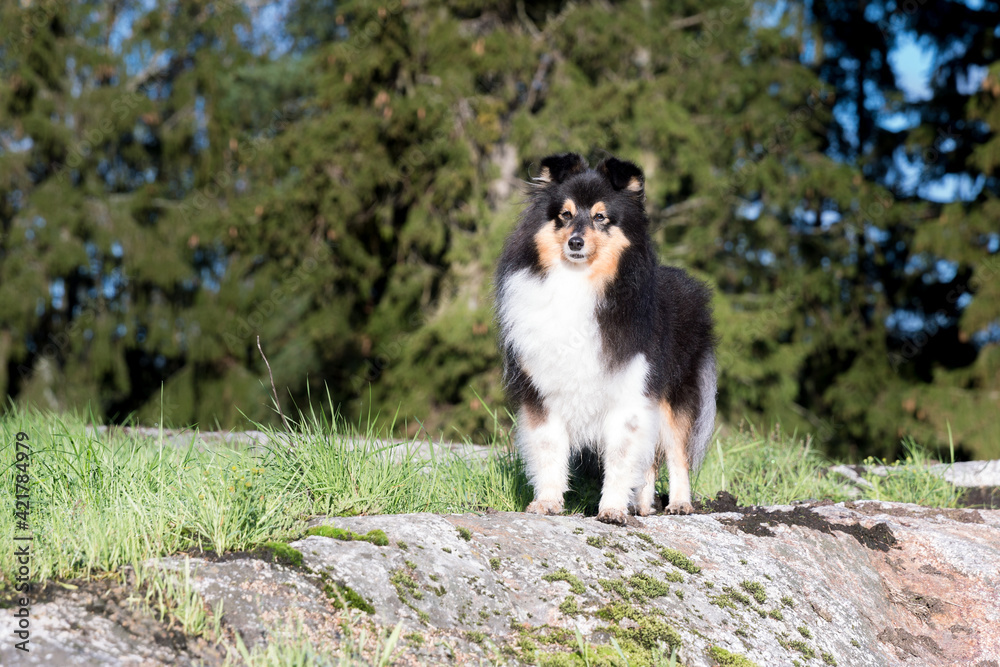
[464, 533]
[679, 560]
[569, 606]
[727, 659]
[756, 589]
[562, 574]
[284, 554]
[376, 537]
[647, 586]
[616, 585]
[342, 597]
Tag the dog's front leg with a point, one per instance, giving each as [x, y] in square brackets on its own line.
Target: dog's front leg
[544, 444]
[629, 451]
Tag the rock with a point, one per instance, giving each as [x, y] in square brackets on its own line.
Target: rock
[858, 583]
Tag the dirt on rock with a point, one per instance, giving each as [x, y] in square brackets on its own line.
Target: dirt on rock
[755, 521]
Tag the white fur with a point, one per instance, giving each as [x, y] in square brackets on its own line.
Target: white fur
[551, 323]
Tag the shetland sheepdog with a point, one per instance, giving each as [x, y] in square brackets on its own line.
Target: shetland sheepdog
[603, 348]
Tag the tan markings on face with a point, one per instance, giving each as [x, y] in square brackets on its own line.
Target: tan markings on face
[549, 242]
[569, 205]
[534, 415]
[679, 424]
[606, 248]
[599, 208]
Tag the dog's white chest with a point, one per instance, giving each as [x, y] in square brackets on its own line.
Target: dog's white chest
[552, 324]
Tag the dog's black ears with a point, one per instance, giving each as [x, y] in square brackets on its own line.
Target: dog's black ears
[623, 175]
[557, 168]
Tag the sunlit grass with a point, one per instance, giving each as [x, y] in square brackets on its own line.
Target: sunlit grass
[766, 469]
[103, 501]
[778, 469]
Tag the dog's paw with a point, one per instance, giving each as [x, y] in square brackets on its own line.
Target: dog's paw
[615, 515]
[645, 511]
[679, 508]
[544, 507]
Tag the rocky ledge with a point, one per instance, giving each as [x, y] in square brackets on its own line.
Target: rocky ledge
[863, 583]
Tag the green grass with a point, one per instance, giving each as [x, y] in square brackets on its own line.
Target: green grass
[101, 502]
[777, 469]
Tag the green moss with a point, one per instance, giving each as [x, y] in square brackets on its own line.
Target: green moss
[804, 631]
[562, 574]
[596, 656]
[446, 550]
[414, 638]
[405, 584]
[596, 541]
[282, 553]
[644, 537]
[495, 563]
[855, 643]
[651, 631]
[726, 659]
[801, 647]
[464, 533]
[569, 606]
[376, 537]
[776, 613]
[755, 589]
[342, 597]
[728, 597]
[616, 611]
[616, 585]
[722, 601]
[679, 560]
[736, 595]
[646, 586]
[476, 636]
[675, 577]
[788, 601]
[828, 659]
[679, 593]
[402, 545]
[578, 531]
[410, 564]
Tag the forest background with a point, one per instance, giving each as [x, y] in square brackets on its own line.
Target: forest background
[180, 177]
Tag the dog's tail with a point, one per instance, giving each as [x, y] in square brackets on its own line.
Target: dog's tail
[704, 423]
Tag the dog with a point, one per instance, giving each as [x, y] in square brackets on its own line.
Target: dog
[603, 348]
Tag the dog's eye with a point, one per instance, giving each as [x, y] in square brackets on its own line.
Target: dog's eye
[600, 218]
[566, 215]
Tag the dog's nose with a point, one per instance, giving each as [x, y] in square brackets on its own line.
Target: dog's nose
[576, 243]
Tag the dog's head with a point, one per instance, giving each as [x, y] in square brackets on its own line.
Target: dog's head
[588, 217]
